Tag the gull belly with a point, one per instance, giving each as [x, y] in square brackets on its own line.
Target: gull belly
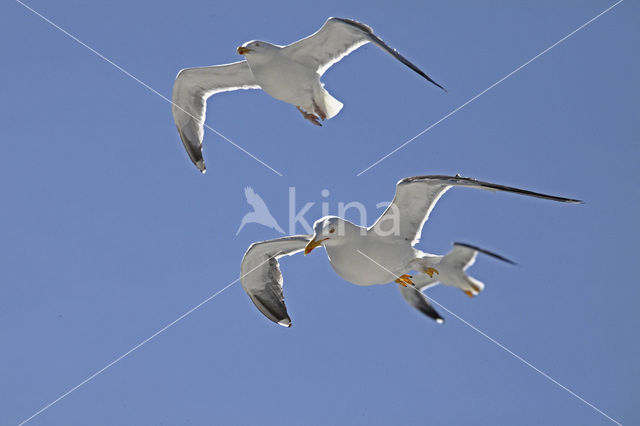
[287, 80]
[369, 260]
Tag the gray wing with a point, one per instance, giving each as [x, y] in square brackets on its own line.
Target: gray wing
[261, 277]
[336, 39]
[416, 196]
[192, 88]
[414, 297]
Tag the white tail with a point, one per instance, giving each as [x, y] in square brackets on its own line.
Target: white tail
[464, 282]
[332, 106]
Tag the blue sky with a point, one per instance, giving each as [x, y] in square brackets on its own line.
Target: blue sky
[108, 232]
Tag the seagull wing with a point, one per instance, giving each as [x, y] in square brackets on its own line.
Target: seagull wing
[336, 39]
[414, 297]
[261, 277]
[192, 88]
[416, 196]
[464, 255]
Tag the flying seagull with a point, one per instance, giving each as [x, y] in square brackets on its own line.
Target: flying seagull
[260, 213]
[288, 73]
[380, 254]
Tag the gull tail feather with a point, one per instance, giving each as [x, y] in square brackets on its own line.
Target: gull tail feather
[332, 106]
[468, 284]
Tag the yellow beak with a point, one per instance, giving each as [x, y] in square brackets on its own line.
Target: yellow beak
[313, 244]
[244, 50]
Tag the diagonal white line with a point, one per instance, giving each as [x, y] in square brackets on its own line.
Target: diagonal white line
[145, 85]
[490, 87]
[503, 347]
[519, 358]
[136, 347]
[94, 375]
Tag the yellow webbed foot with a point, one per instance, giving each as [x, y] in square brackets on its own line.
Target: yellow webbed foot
[320, 113]
[308, 116]
[430, 271]
[404, 279]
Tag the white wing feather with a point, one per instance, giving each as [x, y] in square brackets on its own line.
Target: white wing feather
[192, 88]
[328, 45]
[336, 39]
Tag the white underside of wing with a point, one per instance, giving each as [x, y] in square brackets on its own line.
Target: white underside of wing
[323, 67]
[335, 40]
[410, 209]
[192, 88]
[261, 277]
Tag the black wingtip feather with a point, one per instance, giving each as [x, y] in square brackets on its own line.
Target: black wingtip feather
[379, 42]
[487, 252]
[491, 186]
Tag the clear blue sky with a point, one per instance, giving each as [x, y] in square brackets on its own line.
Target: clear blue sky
[108, 232]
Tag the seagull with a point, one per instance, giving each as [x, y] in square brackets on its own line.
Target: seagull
[288, 73]
[380, 254]
[260, 213]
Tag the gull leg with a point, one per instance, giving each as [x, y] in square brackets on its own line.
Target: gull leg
[475, 288]
[320, 113]
[308, 116]
[404, 279]
[430, 271]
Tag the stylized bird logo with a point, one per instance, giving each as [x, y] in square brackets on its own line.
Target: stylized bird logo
[260, 213]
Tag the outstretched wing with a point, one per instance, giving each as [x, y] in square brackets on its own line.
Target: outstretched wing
[336, 39]
[192, 88]
[416, 196]
[261, 277]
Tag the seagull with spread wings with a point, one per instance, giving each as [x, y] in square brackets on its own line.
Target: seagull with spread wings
[288, 73]
[380, 254]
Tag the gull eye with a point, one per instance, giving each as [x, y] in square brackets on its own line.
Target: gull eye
[257, 44]
[332, 230]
